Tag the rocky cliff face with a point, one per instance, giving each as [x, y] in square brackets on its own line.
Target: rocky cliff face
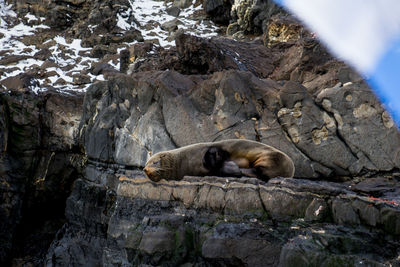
[39, 162]
[153, 111]
[72, 189]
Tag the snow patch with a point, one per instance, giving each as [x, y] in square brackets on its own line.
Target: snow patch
[69, 55]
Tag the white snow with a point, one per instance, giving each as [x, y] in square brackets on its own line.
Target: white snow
[30, 17]
[122, 23]
[5, 11]
[149, 16]
[154, 12]
[75, 45]
[116, 66]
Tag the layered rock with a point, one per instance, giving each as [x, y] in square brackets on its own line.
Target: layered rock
[280, 199]
[239, 221]
[226, 221]
[129, 117]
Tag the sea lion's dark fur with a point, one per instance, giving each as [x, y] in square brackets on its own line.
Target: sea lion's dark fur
[223, 158]
[216, 160]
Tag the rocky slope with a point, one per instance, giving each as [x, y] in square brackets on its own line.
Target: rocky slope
[81, 114]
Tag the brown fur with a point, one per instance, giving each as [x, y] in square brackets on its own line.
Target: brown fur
[267, 161]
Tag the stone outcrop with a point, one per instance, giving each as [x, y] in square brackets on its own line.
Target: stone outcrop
[280, 199]
[243, 17]
[194, 55]
[218, 10]
[304, 61]
[128, 118]
[252, 16]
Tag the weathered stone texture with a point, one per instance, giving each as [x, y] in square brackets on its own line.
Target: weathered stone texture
[122, 124]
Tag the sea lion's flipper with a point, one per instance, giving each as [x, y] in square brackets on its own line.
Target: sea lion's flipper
[230, 169]
[251, 172]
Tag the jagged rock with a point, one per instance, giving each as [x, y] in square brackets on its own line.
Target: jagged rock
[346, 74]
[12, 59]
[253, 57]
[219, 248]
[253, 15]
[314, 131]
[182, 3]
[282, 200]
[308, 63]
[380, 187]
[103, 68]
[93, 21]
[304, 60]
[100, 51]
[62, 116]
[202, 56]
[89, 204]
[141, 50]
[195, 55]
[351, 249]
[173, 11]
[48, 64]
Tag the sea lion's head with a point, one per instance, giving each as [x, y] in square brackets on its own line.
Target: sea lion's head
[160, 166]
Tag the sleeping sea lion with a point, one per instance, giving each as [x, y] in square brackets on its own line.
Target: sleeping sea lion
[234, 157]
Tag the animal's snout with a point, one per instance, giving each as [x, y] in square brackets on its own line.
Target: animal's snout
[146, 170]
[151, 173]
